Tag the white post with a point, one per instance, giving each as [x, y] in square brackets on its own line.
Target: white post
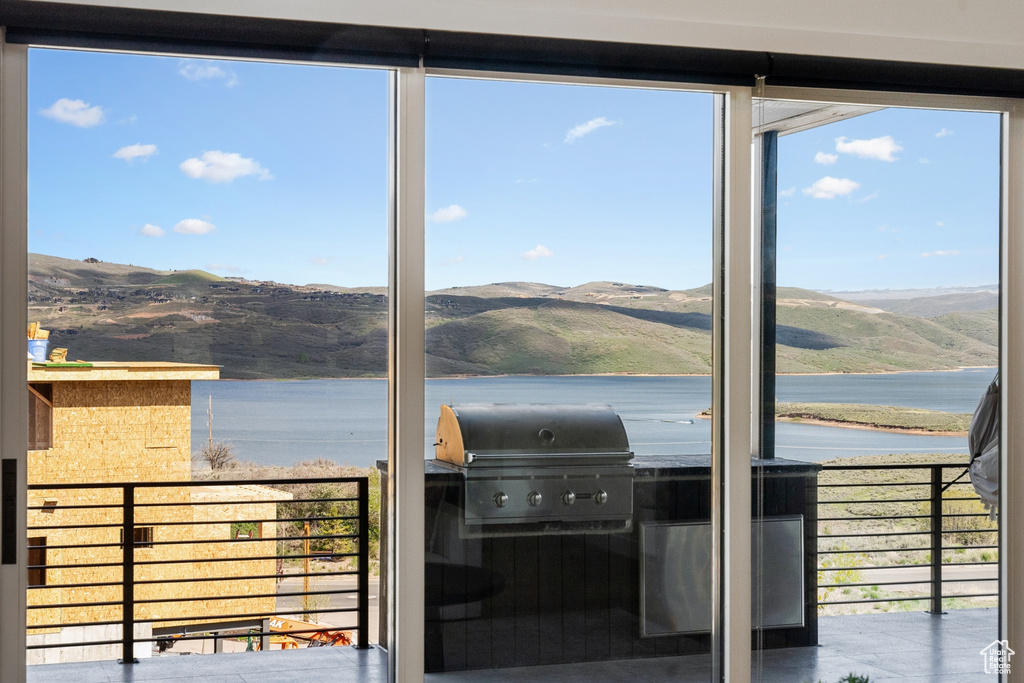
[1011, 515]
[13, 319]
[406, 377]
[738, 348]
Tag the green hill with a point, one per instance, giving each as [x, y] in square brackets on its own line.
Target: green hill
[88, 273]
[255, 329]
[187, 277]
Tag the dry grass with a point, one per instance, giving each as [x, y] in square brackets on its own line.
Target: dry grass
[321, 505]
[882, 417]
[870, 498]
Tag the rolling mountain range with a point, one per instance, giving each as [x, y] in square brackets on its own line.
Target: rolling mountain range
[263, 330]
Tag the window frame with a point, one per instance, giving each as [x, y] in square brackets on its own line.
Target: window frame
[734, 270]
[36, 556]
[40, 408]
[731, 357]
[142, 537]
[1011, 311]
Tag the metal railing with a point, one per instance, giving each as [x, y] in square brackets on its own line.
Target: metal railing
[204, 559]
[860, 498]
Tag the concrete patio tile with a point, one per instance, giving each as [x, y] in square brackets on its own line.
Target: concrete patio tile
[966, 661]
[908, 647]
[852, 643]
[828, 669]
[85, 672]
[476, 676]
[956, 637]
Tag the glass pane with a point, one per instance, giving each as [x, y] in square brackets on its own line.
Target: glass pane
[569, 261]
[887, 338]
[201, 231]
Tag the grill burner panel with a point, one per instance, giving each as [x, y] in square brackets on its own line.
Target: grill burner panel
[540, 499]
[560, 466]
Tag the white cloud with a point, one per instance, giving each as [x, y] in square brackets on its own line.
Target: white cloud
[223, 167]
[873, 195]
[830, 188]
[150, 230]
[204, 71]
[74, 112]
[929, 254]
[224, 267]
[939, 223]
[448, 214]
[588, 127]
[133, 152]
[943, 133]
[194, 226]
[525, 180]
[457, 259]
[886, 228]
[787, 193]
[825, 158]
[319, 261]
[883, 256]
[881, 148]
[539, 251]
[924, 160]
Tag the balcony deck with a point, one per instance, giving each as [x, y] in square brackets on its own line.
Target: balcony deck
[908, 647]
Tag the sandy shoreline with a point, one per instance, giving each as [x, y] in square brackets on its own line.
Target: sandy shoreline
[855, 425]
[870, 428]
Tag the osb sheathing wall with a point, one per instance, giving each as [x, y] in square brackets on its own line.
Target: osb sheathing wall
[139, 431]
[117, 432]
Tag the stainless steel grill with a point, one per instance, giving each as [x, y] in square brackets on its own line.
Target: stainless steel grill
[557, 467]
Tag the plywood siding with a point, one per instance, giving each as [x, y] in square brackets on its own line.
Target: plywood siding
[139, 431]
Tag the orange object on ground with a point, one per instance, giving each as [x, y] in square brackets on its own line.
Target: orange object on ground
[318, 634]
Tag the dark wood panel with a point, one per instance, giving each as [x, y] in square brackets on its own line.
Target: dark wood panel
[527, 604]
[478, 633]
[623, 594]
[574, 625]
[572, 598]
[455, 586]
[549, 595]
[503, 604]
[597, 623]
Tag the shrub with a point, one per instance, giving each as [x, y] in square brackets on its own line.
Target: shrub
[217, 454]
[839, 568]
[970, 526]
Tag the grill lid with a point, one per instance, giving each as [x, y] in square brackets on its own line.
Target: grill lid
[499, 434]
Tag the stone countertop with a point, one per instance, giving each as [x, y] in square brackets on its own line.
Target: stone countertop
[654, 466]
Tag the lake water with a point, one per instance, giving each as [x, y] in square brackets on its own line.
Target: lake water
[283, 422]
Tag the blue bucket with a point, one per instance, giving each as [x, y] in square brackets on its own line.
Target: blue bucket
[37, 347]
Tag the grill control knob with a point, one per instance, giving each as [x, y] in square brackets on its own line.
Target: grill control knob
[500, 500]
[601, 497]
[568, 498]
[534, 499]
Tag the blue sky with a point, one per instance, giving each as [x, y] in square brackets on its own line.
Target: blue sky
[294, 182]
[279, 172]
[913, 201]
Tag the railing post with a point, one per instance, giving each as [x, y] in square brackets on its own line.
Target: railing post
[363, 577]
[128, 575]
[936, 539]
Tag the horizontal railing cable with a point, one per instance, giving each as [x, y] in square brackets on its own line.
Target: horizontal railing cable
[179, 551]
[941, 528]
